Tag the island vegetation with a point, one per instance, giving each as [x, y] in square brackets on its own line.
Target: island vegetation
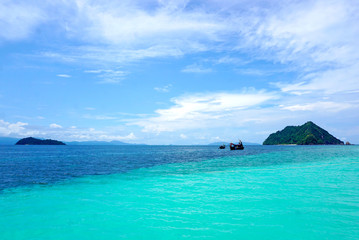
[35, 141]
[306, 134]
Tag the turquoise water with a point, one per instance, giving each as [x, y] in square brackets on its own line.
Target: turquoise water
[293, 192]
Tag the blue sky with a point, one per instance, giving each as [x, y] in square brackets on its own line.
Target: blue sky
[177, 72]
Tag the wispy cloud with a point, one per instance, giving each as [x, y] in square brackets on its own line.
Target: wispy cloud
[129, 31]
[183, 136]
[19, 20]
[304, 31]
[318, 31]
[318, 37]
[98, 117]
[164, 89]
[54, 125]
[63, 75]
[231, 60]
[319, 106]
[108, 76]
[307, 34]
[254, 72]
[129, 22]
[202, 110]
[344, 79]
[195, 68]
[111, 54]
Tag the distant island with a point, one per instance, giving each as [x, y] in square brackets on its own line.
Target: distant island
[306, 134]
[35, 141]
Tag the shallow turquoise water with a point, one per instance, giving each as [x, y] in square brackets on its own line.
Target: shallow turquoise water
[304, 193]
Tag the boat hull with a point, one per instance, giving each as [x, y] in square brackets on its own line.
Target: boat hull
[236, 147]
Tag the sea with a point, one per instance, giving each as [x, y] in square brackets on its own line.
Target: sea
[179, 192]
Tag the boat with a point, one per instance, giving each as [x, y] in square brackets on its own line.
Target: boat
[238, 146]
[222, 146]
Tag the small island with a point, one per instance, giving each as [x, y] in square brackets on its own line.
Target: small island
[306, 134]
[35, 141]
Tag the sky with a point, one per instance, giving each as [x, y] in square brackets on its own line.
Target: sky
[177, 72]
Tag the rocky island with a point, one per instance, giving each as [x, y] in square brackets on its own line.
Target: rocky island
[35, 141]
[306, 134]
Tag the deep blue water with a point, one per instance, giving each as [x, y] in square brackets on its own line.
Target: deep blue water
[26, 165]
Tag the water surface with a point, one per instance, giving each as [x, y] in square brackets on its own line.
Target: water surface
[179, 192]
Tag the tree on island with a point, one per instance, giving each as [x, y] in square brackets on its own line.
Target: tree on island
[306, 134]
[35, 141]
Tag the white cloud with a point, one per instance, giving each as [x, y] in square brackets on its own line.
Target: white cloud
[129, 137]
[54, 126]
[63, 75]
[183, 136]
[130, 22]
[319, 38]
[98, 117]
[164, 89]
[108, 75]
[195, 68]
[202, 110]
[319, 106]
[98, 135]
[90, 134]
[230, 60]
[127, 31]
[305, 30]
[7, 128]
[19, 20]
[345, 79]
[253, 72]
[113, 54]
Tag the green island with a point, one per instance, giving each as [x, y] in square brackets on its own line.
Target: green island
[306, 134]
[35, 141]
